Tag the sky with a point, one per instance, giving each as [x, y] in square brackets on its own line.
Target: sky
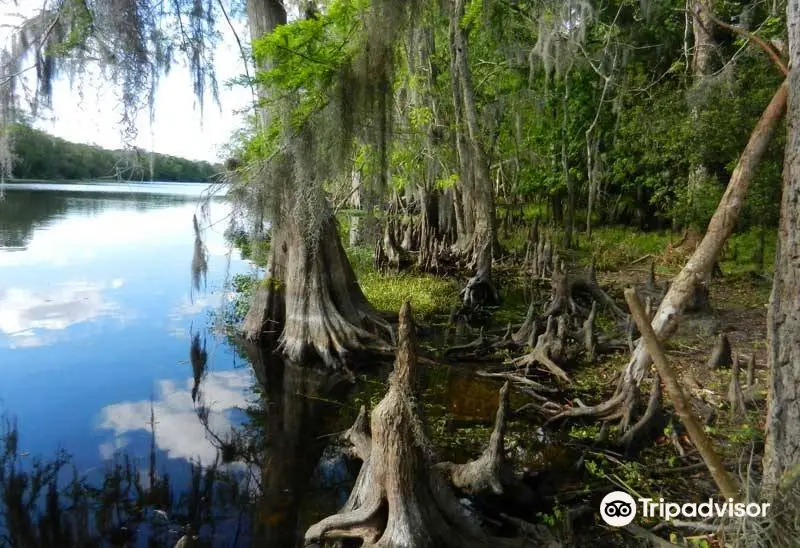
[86, 111]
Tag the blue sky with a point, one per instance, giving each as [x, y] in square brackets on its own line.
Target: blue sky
[86, 111]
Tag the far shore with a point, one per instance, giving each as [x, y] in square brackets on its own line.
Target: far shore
[101, 180]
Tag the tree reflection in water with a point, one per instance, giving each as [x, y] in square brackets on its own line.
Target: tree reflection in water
[258, 491]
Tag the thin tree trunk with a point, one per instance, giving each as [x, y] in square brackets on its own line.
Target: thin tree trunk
[569, 219]
[682, 406]
[719, 229]
[702, 28]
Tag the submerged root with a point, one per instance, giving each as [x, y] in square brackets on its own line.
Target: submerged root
[400, 498]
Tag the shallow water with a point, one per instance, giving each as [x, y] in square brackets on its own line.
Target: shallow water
[108, 351]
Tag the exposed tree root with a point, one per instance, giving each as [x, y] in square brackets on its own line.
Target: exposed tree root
[312, 300]
[751, 394]
[518, 379]
[735, 394]
[548, 344]
[480, 290]
[358, 436]
[636, 436]
[722, 354]
[528, 331]
[473, 348]
[491, 472]
[399, 498]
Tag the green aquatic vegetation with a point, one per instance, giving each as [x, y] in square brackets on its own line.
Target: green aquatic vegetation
[429, 295]
[589, 432]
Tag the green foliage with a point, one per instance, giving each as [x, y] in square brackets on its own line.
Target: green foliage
[587, 433]
[308, 55]
[42, 156]
[614, 248]
[429, 295]
[242, 286]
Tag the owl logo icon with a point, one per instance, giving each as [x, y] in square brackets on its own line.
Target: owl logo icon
[618, 509]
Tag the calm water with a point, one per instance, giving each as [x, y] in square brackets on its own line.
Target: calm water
[108, 351]
[96, 311]
[97, 314]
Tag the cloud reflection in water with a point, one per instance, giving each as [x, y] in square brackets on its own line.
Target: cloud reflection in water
[179, 431]
[28, 318]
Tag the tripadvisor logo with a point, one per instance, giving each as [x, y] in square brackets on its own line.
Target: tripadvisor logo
[618, 509]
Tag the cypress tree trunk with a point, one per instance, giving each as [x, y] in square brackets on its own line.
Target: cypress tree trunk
[474, 168]
[782, 450]
[310, 301]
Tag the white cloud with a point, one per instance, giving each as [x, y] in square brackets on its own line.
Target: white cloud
[179, 432]
[26, 315]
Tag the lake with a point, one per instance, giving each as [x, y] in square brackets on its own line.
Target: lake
[98, 311]
[149, 419]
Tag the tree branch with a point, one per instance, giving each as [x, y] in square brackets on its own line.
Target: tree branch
[682, 407]
[768, 48]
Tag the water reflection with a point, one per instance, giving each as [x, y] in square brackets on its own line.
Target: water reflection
[300, 408]
[26, 207]
[28, 318]
[199, 259]
[169, 434]
[198, 357]
[179, 433]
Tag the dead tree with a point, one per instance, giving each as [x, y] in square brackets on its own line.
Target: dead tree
[527, 332]
[491, 472]
[550, 346]
[400, 498]
[697, 268]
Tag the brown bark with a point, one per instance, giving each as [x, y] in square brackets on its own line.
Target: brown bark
[782, 449]
[400, 499]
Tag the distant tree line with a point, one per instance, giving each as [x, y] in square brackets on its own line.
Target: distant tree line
[38, 155]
